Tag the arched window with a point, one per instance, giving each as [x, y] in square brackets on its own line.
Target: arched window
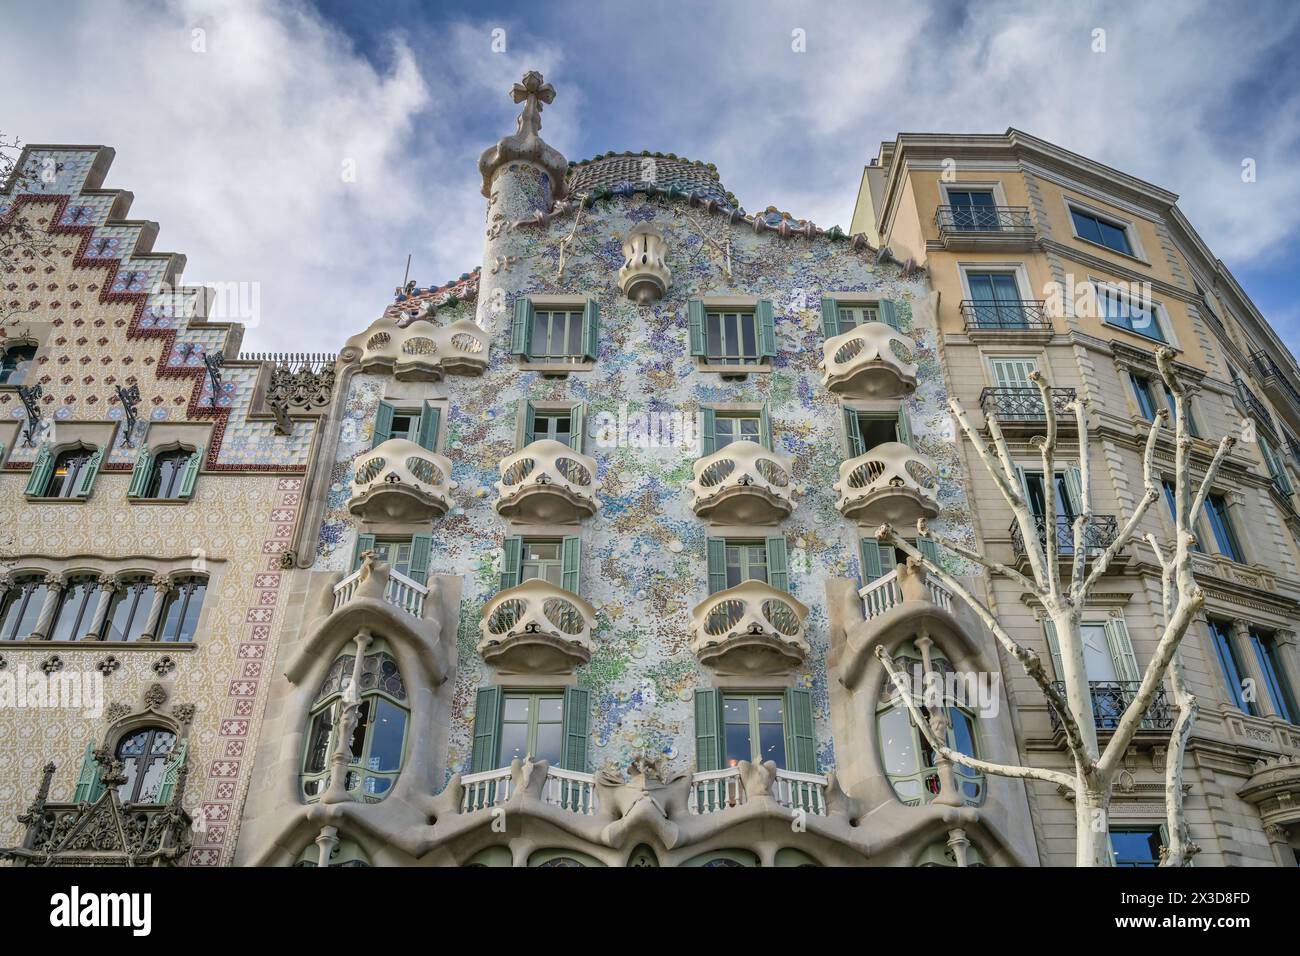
[344, 853]
[129, 613]
[379, 739]
[168, 474]
[67, 474]
[22, 607]
[184, 604]
[14, 362]
[144, 756]
[908, 758]
[76, 609]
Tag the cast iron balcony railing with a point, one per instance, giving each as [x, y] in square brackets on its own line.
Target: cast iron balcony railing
[1254, 407]
[1001, 220]
[1024, 405]
[999, 315]
[1101, 531]
[1274, 376]
[1111, 698]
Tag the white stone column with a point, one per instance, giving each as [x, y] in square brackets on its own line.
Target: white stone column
[108, 585]
[162, 588]
[54, 585]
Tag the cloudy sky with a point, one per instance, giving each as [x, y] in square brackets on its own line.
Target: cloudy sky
[233, 121]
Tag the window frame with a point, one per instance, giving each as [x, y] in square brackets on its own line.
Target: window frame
[1222, 528]
[84, 614]
[1105, 289]
[754, 724]
[183, 588]
[139, 609]
[28, 584]
[1273, 670]
[1156, 830]
[531, 723]
[7, 371]
[1136, 251]
[135, 780]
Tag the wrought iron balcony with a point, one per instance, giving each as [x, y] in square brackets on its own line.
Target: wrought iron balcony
[980, 222]
[1100, 533]
[750, 629]
[1110, 699]
[743, 483]
[547, 483]
[998, 315]
[1275, 377]
[889, 484]
[1017, 406]
[1254, 407]
[873, 360]
[538, 628]
[399, 480]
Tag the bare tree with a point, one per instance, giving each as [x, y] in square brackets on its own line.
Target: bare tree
[21, 242]
[1065, 600]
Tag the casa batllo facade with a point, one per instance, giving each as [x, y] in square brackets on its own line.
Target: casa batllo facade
[570, 561]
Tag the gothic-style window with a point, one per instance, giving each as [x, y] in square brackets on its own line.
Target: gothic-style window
[167, 478]
[68, 470]
[184, 604]
[128, 615]
[76, 609]
[908, 758]
[378, 740]
[14, 362]
[144, 757]
[22, 607]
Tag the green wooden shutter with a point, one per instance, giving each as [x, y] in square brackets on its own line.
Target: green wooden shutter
[888, 312]
[717, 551]
[708, 431]
[191, 474]
[708, 730]
[521, 328]
[778, 567]
[766, 329]
[430, 420]
[904, 427]
[140, 473]
[421, 547]
[830, 318]
[577, 713]
[487, 729]
[853, 432]
[38, 481]
[577, 425]
[86, 480]
[170, 773]
[800, 732]
[88, 786]
[872, 565]
[530, 424]
[383, 424]
[929, 548]
[591, 329]
[1074, 488]
[571, 564]
[1121, 650]
[1054, 648]
[512, 558]
[695, 322]
[765, 428]
[365, 542]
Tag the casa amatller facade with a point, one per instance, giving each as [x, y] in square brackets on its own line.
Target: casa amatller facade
[572, 561]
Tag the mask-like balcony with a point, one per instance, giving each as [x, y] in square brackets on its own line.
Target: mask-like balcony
[422, 351]
[536, 628]
[547, 483]
[890, 484]
[742, 484]
[750, 630]
[399, 480]
[870, 361]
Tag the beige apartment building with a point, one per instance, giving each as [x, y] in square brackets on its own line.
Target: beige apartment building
[1039, 258]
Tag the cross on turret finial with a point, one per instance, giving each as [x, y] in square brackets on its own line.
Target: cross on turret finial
[525, 145]
[532, 91]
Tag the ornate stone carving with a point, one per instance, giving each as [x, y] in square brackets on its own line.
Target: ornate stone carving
[155, 696]
[52, 664]
[108, 665]
[526, 144]
[645, 276]
[164, 666]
